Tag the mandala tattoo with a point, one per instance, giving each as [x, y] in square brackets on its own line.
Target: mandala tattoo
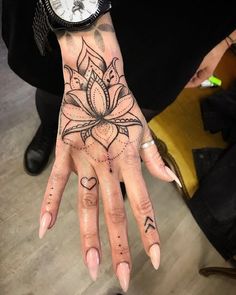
[97, 105]
[98, 36]
[98, 30]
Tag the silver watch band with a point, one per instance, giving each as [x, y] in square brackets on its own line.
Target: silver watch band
[43, 24]
[41, 28]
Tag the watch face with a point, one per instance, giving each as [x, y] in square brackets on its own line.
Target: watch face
[74, 10]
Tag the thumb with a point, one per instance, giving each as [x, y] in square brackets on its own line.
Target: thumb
[200, 76]
[153, 160]
[203, 75]
[190, 83]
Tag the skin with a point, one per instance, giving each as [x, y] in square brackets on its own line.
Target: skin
[106, 153]
[210, 62]
[108, 150]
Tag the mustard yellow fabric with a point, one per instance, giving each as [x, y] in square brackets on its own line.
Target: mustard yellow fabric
[180, 126]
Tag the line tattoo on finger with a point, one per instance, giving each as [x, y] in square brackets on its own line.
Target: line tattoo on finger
[88, 183]
[149, 224]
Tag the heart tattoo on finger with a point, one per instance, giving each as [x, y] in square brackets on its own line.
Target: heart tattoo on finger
[88, 183]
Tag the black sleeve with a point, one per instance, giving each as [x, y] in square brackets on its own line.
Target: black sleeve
[161, 48]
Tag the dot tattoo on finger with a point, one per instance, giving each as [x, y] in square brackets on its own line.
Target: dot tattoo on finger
[49, 199]
[120, 246]
[122, 250]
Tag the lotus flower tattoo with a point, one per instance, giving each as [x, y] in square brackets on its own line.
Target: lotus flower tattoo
[97, 104]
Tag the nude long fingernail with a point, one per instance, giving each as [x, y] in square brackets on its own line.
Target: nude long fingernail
[44, 224]
[93, 263]
[123, 274]
[172, 175]
[154, 253]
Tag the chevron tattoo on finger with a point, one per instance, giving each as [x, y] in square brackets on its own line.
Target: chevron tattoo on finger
[149, 224]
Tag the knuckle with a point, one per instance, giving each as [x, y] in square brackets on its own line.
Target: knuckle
[157, 157]
[145, 206]
[152, 236]
[89, 200]
[117, 215]
[112, 193]
[59, 176]
[89, 236]
[131, 156]
[154, 157]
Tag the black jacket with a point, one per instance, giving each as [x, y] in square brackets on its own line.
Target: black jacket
[161, 47]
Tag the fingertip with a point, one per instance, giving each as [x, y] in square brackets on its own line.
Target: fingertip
[123, 274]
[154, 254]
[173, 176]
[44, 224]
[92, 259]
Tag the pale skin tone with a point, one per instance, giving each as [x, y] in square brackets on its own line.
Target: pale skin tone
[210, 62]
[101, 128]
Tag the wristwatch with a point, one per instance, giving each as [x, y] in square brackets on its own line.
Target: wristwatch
[65, 15]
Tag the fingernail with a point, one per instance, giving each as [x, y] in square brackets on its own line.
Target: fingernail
[172, 175]
[44, 224]
[93, 263]
[154, 253]
[123, 274]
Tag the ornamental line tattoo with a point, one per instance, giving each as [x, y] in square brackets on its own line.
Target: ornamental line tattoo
[98, 36]
[97, 106]
[98, 29]
[97, 33]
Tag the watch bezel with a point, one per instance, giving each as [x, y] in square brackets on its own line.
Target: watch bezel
[57, 23]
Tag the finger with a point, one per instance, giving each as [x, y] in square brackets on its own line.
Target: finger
[52, 197]
[190, 82]
[117, 225]
[203, 75]
[200, 76]
[195, 82]
[153, 161]
[142, 208]
[88, 211]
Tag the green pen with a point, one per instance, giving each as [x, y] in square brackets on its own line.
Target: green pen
[215, 81]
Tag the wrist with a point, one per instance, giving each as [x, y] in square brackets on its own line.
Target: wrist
[100, 37]
[224, 45]
[231, 38]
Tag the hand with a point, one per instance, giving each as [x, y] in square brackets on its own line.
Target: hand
[101, 129]
[208, 65]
